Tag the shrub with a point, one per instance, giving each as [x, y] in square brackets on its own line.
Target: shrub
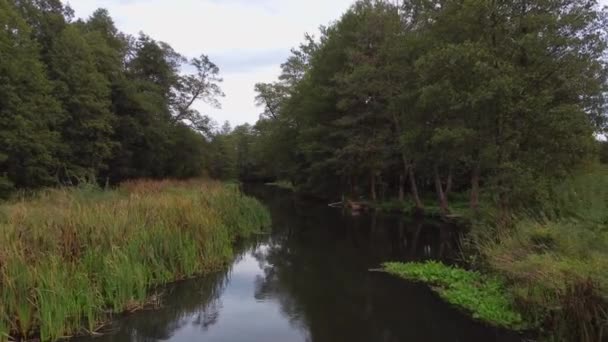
[555, 260]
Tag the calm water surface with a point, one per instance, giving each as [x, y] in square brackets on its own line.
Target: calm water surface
[309, 281]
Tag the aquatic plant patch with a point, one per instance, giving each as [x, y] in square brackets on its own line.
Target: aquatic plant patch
[484, 297]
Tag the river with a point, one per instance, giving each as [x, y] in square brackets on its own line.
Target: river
[309, 281]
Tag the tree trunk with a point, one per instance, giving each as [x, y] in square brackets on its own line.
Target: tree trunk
[475, 188]
[448, 186]
[443, 202]
[374, 195]
[401, 188]
[414, 190]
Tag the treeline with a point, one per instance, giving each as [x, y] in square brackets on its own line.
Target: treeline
[437, 96]
[81, 101]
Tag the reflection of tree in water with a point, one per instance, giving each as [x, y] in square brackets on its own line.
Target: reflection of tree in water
[318, 287]
[194, 302]
[316, 266]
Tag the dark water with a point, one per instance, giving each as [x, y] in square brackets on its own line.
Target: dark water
[309, 281]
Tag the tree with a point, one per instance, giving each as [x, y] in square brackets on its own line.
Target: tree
[29, 143]
[449, 94]
[203, 86]
[604, 152]
[271, 96]
[85, 97]
[81, 100]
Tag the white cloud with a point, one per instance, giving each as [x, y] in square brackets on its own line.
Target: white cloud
[238, 105]
[247, 38]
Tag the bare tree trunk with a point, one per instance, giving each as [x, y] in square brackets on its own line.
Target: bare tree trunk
[475, 188]
[409, 169]
[448, 186]
[380, 181]
[414, 190]
[374, 195]
[443, 202]
[401, 188]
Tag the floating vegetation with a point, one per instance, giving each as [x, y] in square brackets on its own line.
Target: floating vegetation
[484, 297]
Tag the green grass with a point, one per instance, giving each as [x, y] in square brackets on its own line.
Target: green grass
[482, 296]
[459, 206]
[555, 259]
[72, 256]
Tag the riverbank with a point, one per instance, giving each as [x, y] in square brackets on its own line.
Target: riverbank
[551, 264]
[73, 257]
[307, 281]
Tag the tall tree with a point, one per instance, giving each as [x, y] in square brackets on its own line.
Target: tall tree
[462, 94]
[85, 97]
[201, 86]
[29, 115]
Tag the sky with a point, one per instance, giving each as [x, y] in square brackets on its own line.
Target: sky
[247, 39]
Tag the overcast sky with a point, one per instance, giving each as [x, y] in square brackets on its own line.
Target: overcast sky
[247, 39]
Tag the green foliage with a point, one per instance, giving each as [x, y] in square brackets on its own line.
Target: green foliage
[557, 263]
[457, 97]
[85, 97]
[604, 152]
[486, 298]
[74, 255]
[82, 102]
[29, 141]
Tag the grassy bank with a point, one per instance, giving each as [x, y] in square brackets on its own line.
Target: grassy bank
[72, 257]
[549, 266]
[459, 204]
[556, 261]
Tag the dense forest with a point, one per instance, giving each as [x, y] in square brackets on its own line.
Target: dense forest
[393, 101]
[432, 97]
[82, 102]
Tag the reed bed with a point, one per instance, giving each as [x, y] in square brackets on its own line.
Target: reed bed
[555, 260]
[71, 258]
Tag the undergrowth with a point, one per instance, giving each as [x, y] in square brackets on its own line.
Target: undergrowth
[555, 258]
[71, 257]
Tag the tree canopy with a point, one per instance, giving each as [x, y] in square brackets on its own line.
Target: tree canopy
[82, 101]
[436, 96]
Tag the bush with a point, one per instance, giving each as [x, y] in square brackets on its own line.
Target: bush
[555, 260]
[559, 275]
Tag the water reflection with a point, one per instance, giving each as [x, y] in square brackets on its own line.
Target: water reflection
[308, 281]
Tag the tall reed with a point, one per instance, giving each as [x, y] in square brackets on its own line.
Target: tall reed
[556, 259]
[71, 257]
